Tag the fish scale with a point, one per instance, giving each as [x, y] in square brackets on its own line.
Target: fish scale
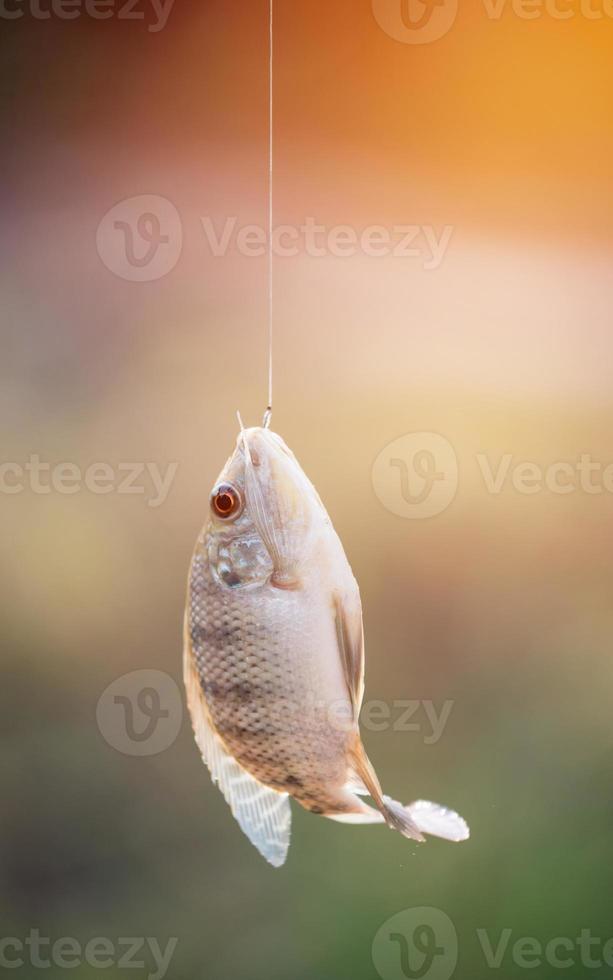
[256, 724]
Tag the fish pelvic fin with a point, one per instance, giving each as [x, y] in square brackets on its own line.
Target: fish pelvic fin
[394, 814]
[262, 813]
[412, 821]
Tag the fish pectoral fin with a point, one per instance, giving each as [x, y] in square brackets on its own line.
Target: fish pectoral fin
[263, 814]
[350, 638]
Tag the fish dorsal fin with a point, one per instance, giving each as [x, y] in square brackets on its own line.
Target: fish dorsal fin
[262, 814]
[350, 637]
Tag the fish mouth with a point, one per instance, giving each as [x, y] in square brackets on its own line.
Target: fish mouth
[278, 501]
[257, 441]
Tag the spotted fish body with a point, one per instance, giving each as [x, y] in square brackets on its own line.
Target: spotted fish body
[274, 657]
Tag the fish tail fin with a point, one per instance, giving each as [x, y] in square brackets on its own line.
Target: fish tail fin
[431, 818]
[411, 821]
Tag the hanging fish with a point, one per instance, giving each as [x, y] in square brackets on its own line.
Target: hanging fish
[274, 657]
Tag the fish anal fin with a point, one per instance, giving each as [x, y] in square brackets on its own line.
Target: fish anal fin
[262, 813]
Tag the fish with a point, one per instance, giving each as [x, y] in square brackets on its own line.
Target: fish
[274, 658]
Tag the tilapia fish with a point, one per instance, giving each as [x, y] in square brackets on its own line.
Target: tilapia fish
[274, 657]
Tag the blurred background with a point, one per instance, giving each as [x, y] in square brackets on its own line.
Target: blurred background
[127, 341]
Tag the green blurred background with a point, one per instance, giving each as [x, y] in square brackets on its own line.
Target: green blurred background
[500, 604]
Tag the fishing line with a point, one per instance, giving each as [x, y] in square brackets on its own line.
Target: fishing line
[268, 412]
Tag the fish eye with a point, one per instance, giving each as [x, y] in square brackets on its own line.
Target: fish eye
[226, 501]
